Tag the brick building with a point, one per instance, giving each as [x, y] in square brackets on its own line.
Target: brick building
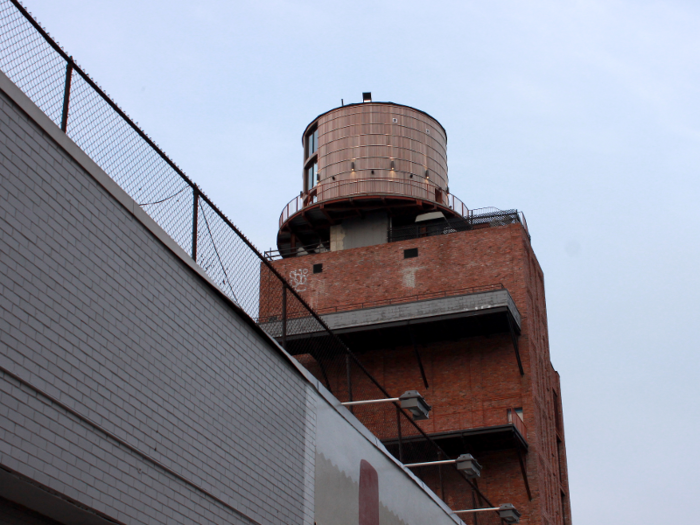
[432, 297]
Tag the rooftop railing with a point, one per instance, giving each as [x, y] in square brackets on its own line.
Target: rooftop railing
[403, 186]
[475, 219]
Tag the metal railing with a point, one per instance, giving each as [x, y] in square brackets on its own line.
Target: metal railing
[409, 298]
[73, 101]
[403, 186]
[474, 219]
[480, 218]
[298, 251]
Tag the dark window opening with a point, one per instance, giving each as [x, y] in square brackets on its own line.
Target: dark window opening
[311, 143]
[557, 412]
[311, 177]
[318, 268]
[563, 508]
[518, 412]
[410, 253]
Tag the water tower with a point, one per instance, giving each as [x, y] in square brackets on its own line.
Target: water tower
[367, 167]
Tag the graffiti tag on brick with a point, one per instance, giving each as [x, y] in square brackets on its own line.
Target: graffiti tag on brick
[297, 278]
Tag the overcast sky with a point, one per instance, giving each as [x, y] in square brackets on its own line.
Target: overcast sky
[584, 115]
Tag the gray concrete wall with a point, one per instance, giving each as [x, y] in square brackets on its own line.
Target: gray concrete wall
[357, 233]
[128, 386]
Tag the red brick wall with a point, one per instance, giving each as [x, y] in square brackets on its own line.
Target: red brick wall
[445, 262]
[473, 381]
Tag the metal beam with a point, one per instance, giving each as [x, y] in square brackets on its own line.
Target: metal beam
[420, 361]
[524, 472]
[514, 338]
[325, 213]
[348, 372]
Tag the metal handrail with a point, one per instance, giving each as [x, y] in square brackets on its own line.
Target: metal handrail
[306, 249]
[410, 298]
[325, 191]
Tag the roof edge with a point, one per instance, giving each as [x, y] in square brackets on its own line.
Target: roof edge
[388, 103]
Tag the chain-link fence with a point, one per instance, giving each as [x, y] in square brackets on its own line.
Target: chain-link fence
[75, 103]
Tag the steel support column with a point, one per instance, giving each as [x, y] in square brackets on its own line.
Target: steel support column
[348, 373]
[398, 424]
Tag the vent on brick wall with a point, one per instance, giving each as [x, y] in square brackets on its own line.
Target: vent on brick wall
[318, 268]
[411, 252]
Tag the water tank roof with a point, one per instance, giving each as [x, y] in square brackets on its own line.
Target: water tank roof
[368, 104]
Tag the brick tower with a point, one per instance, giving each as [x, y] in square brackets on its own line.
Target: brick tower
[433, 297]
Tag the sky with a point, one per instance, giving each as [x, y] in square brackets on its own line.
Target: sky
[584, 115]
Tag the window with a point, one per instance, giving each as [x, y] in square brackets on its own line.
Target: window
[311, 176]
[311, 142]
[515, 412]
[557, 412]
[318, 268]
[410, 253]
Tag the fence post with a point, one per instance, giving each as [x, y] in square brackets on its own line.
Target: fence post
[284, 316]
[195, 219]
[398, 422]
[349, 378]
[66, 94]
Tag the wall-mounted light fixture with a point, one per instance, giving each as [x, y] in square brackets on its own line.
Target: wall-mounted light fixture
[466, 463]
[507, 512]
[410, 400]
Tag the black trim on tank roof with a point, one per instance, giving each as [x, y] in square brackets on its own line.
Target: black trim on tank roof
[306, 129]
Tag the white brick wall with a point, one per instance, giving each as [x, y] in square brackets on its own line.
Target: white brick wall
[125, 354]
